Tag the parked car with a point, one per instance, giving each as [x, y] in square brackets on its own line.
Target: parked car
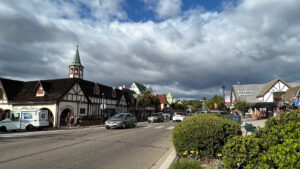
[235, 118]
[156, 117]
[121, 120]
[222, 112]
[167, 115]
[178, 116]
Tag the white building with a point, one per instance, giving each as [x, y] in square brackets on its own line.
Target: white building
[263, 98]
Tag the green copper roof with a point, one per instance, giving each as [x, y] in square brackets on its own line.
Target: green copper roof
[169, 95]
[140, 87]
[76, 60]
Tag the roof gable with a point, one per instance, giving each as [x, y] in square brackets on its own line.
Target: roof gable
[55, 88]
[269, 86]
[11, 87]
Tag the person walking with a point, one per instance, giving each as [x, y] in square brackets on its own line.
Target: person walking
[78, 121]
[67, 119]
[70, 121]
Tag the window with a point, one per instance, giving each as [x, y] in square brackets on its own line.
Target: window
[82, 110]
[15, 116]
[76, 70]
[71, 71]
[278, 96]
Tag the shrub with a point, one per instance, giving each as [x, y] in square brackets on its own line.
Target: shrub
[205, 134]
[187, 164]
[241, 151]
[275, 146]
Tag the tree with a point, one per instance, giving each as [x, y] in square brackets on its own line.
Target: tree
[147, 99]
[241, 105]
[196, 105]
[216, 99]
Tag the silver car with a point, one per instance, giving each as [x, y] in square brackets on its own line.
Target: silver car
[156, 117]
[121, 120]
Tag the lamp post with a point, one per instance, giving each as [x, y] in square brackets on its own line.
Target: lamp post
[102, 105]
[223, 88]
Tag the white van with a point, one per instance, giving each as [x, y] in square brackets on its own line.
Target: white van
[25, 119]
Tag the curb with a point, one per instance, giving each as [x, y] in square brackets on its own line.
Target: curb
[171, 159]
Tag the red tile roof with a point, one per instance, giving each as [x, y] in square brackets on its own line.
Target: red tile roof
[162, 98]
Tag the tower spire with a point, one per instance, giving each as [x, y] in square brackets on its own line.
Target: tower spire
[75, 68]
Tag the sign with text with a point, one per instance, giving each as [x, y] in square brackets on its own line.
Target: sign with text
[227, 98]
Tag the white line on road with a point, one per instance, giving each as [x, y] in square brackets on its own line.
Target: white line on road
[159, 127]
[170, 128]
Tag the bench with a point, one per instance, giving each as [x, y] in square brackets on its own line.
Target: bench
[249, 128]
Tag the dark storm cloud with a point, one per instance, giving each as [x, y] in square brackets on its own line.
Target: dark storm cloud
[191, 55]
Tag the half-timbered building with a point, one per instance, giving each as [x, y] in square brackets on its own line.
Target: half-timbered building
[72, 95]
[263, 98]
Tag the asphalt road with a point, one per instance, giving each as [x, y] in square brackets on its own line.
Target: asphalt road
[143, 147]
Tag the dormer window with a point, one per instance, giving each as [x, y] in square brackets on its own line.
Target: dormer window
[40, 92]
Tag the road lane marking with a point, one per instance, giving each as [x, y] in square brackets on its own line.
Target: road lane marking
[170, 128]
[159, 127]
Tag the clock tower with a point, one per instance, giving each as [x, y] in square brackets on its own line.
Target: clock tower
[75, 68]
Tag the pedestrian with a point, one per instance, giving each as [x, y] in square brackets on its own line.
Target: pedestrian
[78, 121]
[70, 121]
[67, 119]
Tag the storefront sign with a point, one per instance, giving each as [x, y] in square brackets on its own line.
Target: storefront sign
[227, 98]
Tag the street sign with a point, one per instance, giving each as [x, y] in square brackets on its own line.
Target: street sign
[215, 105]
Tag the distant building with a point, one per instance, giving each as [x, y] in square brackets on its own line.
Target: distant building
[137, 87]
[170, 98]
[163, 101]
[263, 98]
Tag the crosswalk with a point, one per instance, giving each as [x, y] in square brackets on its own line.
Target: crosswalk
[160, 127]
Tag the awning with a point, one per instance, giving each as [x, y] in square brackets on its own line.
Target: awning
[265, 105]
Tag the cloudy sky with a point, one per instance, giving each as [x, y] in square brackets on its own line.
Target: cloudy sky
[188, 47]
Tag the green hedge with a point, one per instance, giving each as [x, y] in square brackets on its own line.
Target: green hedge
[206, 134]
[187, 164]
[241, 151]
[275, 146]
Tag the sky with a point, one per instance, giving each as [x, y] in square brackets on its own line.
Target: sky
[188, 47]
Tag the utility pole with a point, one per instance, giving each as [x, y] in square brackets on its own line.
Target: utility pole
[223, 88]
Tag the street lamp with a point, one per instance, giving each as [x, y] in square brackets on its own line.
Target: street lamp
[102, 106]
[223, 88]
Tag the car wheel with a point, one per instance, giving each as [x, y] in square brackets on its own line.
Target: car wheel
[3, 129]
[29, 127]
[124, 126]
[107, 127]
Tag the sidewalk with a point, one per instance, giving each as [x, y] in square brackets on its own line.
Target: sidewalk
[256, 123]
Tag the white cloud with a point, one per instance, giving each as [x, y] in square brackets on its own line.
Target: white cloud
[165, 8]
[191, 54]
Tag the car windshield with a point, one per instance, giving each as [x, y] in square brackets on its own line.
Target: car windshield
[179, 114]
[167, 112]
[118, 116]
[155, 114]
